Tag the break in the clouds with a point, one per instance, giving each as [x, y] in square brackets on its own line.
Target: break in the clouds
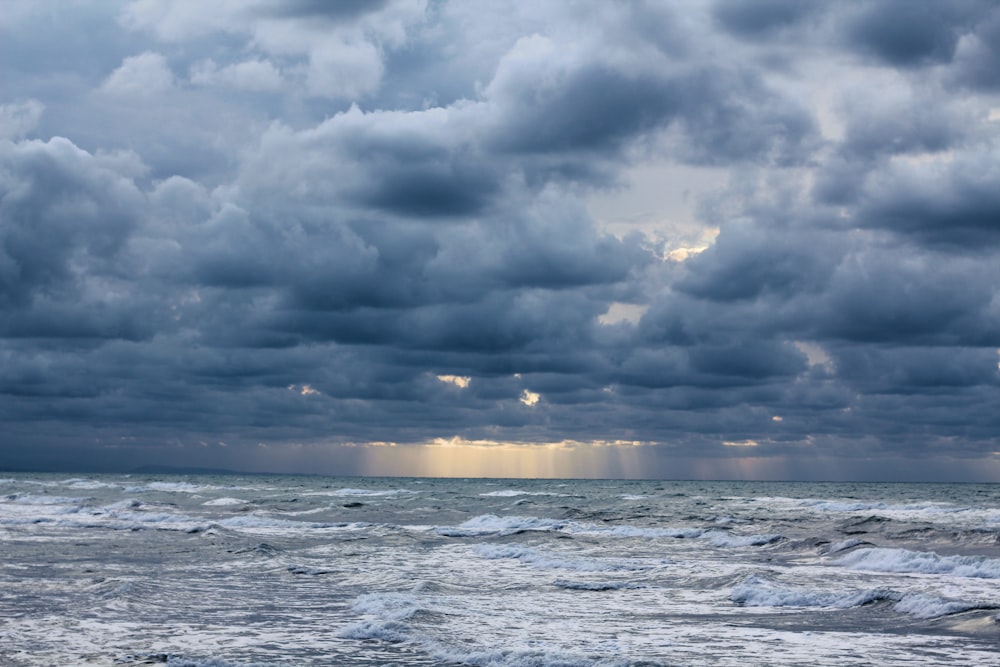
[706, 239]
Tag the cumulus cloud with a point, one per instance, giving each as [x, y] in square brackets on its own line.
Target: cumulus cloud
[146, 74]
[250, 75]
[373, 222]
[19, 118]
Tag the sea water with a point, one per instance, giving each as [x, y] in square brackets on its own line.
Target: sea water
[269, 570]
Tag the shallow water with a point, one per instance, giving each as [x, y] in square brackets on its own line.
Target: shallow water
[269, 570]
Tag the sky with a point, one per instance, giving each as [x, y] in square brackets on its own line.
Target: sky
[719, 239]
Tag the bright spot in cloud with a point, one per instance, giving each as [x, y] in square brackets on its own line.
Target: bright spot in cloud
[303, 389]
[679, 252]
[739, 443]
[459, 381]
[530, 397]
[777, 418]
[623, 312]
[816, 355]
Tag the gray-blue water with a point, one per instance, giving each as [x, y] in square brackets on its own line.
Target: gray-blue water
[267, 570]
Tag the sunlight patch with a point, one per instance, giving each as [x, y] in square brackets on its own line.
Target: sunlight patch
[303, 389]
[530, 397]
[684, 251]
[460, 381]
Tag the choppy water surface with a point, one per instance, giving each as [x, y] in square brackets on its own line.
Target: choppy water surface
[264, 570]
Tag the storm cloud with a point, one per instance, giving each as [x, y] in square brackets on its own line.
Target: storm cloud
[710, 236]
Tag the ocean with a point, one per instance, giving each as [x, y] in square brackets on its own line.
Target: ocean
[234, 570]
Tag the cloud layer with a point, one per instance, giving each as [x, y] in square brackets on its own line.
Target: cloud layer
[280, 236]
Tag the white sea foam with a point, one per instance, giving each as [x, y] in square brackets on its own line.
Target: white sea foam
[491, 524]
[756, 592]
[510, 493]
[387, 614]
[923, 605]
[548, 560]
[218, 502]
[624, 591]
[372, 493]
[921, 562]
[252, 522]
[79, 483]
[29, 499]
[172, 487]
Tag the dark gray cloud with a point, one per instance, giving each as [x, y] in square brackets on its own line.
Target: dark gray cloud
[278, 234]
[762, 19]
[907, 34]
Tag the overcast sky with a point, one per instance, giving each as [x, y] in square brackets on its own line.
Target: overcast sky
[714, 239]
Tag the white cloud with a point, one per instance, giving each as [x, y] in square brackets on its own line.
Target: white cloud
[143, 75]
[530, 398]
[344, 70]
[459, 381]
[19, 118]
[619, 312]
[249, 75]
[179, 20]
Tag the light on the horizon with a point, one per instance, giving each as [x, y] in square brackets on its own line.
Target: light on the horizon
[740, 443]
[456, 456]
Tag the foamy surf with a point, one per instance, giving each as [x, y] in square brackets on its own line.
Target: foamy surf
[214, 571]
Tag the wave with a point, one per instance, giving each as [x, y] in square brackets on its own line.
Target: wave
[842, 506]
[391, 617]
[550, 561]
[922, 605]
[174, 487]
[491, 524]
[719, 538]
[595, 585]
[81, 483]
[178, 661]
[636, 531]
[756, 592]
[389, 612]
[510, 493]
[252, 521]
[30, 499]
[219, 502]
[921, 562]
[844, 545]
[370, 493]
